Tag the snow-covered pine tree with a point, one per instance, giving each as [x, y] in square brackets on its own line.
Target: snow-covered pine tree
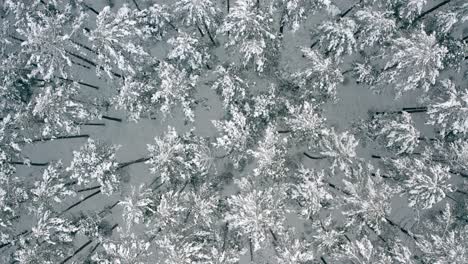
[270, 155]
[229, 85]
[49, 240]
[365, 252]
[375, 27]
[128, 248]
[292, 249]
[47, 41]
[448, 110]
[249, 30]
[53, 188]
[155, 21]
[135, 206]
[95, 162]
[200, 14]
[444, 240]
[310, 191]
[234, 140]
[339, 148]
[305, 122]
[336, 38]
[294, 12]
[159, 90]
[257, 215]
[321, 74]
[188, 52]
[117, 42]
[58, 109]
[397, 132]
[368, 203]
[425, 182]
[413, 62]
[178, 159]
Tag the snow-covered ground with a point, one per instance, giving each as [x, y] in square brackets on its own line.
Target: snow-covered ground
[354, 103]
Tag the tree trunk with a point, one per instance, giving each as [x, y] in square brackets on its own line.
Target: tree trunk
[201, 32]
[209, 34]
[379, 236]
[381, 175]
[226, 229]
[228, 3]
[251, 250]
[88, 85]
[61, 137]
[5, 244]
[84, 46]
[345, 13]
[54, 138]
[154, 181]
[187, 216]
[112, 118]
[89, 188]
[128, 163]
[80, 201]
[172, 25]
[71, 183]
[282, 22]
[425, 13]
[314, 44]
[17, 38]
[338, 188]
[37, 164]
[404, 231]
[426, 139]
[415, 109]
[93, 249]
[93, 124]
[421, 109]
[81, 65]
[157, 187]
[77, 251]
[313, 157]
[10, 243]
[346, 71]
[91, 9]
[79, 82]
[136, 5]
[347, 238]
[281, 28]
[380, 157]
[92, 63]
[114, 205]
[183, 188]
[108, 208]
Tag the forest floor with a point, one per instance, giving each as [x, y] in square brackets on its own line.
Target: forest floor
[354, 102]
